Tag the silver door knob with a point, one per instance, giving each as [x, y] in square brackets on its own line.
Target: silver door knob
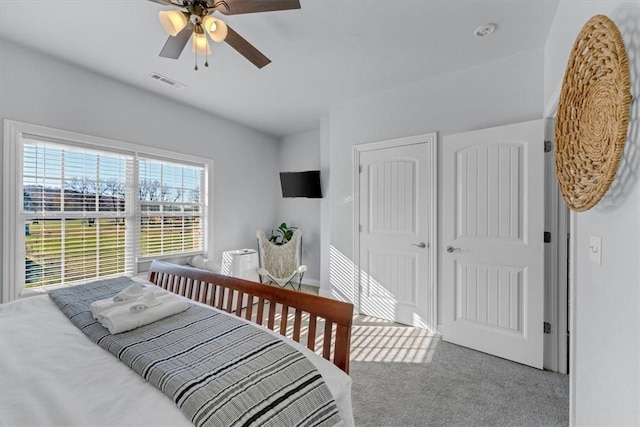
[421, 245]
[452, 249]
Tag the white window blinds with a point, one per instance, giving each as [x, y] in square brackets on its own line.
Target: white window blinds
[170, 207]
[78, 207]
[75, 213]
[91, 213]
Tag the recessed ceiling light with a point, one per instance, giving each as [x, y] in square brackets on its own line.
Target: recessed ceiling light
[485, 30]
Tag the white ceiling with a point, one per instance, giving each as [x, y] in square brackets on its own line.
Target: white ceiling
[325, 53]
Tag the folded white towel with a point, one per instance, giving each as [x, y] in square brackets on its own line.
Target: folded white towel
[130, 292]
[102, 305]
[121, 319]
[148, 299]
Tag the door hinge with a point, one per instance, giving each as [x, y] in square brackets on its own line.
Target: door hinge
[360, 228]
[548, 146]
[546, 327]
[360, 169]
[547, 237]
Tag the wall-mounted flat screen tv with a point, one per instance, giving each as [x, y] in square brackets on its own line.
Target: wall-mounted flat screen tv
[301, 184]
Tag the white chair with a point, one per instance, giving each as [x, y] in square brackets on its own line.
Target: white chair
[280, 264]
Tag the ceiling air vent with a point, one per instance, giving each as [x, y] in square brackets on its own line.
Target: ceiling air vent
[166, 80]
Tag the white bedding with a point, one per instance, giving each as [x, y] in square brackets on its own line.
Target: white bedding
[52, 374]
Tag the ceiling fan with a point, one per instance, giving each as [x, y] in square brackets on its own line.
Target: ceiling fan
[195, 17]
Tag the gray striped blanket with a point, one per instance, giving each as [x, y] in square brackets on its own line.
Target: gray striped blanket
[219, 370]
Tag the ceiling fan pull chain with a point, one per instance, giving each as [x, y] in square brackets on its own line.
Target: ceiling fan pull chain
[196, 67]
[206, 58]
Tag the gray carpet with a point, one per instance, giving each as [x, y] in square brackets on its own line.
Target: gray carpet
[447, 385]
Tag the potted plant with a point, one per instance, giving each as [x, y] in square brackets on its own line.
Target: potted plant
[282, 234]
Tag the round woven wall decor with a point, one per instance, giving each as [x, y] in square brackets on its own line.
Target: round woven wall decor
[593, 114]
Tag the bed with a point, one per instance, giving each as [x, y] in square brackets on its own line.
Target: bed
[53, 374]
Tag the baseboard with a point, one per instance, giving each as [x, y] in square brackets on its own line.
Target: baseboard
[311, 282]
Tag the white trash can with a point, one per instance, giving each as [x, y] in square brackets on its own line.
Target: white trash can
[241, 263]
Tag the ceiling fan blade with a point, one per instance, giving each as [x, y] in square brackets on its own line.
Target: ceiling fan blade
[237, 7]
[175, 45]
[245, 48]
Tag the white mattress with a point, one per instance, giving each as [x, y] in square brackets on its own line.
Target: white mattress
[52, 374]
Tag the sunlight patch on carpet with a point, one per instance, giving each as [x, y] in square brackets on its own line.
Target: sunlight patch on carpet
[380, 341]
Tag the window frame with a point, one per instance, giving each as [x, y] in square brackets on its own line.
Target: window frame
[13, 239]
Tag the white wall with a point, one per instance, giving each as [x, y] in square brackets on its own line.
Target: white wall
[325, 206]
[301, 152]
[492, 94]
[44, 91]
[606, 301]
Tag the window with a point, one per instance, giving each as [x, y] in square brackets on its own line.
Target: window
[170, 208]
[81, 208]
[74, 212]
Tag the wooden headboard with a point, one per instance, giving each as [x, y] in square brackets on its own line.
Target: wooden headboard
[250, 300]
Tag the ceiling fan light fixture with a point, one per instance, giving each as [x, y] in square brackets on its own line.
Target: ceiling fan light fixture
[216, 28]
[200, 45]
[173, 21]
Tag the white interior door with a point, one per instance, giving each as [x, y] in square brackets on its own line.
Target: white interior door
[395, 235]
[493, 262]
